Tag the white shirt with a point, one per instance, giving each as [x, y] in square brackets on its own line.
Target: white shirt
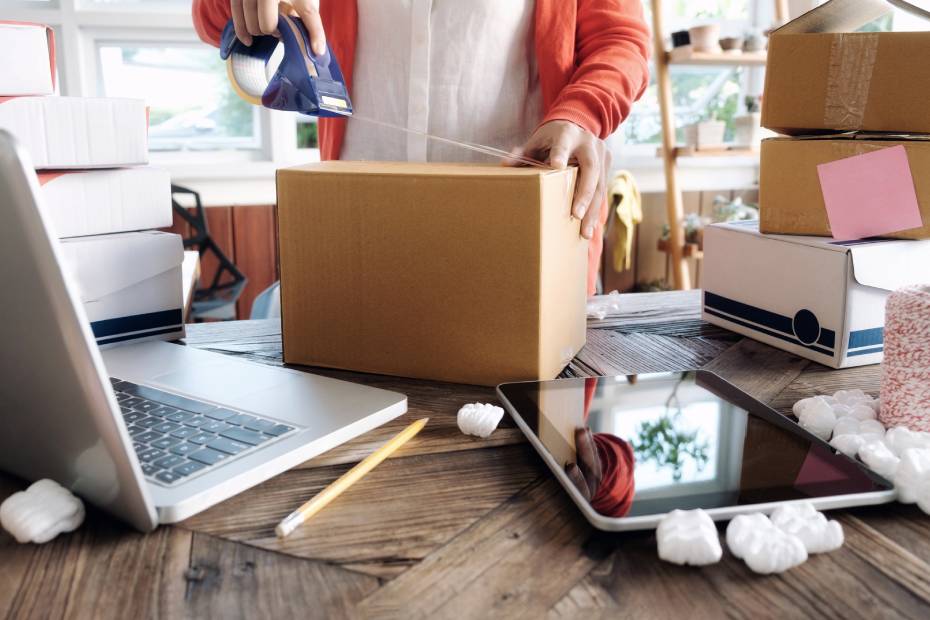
[459, 69]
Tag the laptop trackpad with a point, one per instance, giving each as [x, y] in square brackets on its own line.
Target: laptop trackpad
[222, 381]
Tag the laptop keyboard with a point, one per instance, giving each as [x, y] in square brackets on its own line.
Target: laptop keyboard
[176, 438]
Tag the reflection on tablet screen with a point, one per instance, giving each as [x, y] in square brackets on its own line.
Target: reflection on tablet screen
[647, 444]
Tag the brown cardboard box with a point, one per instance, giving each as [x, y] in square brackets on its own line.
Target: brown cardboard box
[820, 76]
[454, 272]
[790, 199]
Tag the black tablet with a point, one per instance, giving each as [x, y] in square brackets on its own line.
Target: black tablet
[629, 449]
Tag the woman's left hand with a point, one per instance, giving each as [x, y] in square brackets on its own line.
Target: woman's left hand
[559, 143]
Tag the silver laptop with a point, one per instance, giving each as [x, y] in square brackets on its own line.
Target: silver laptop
[151, 432]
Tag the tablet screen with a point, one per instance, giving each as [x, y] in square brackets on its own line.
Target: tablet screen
[647, 444]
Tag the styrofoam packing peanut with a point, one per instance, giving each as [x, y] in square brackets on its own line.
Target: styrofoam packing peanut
[913, 470]
[848, 425]
[41, 512]
[600, 307]
[851, 397]
[688, 537]
[804, 403]
[879, 458]
[818, 418]
[479, 419]
[849, 444]
[863, 412]
[764, 548]
[899, 439]
[818, 534]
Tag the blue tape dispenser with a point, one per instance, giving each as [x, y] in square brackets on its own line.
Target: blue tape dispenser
[298, 81]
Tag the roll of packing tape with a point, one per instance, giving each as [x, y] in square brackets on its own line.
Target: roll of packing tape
[905, 393]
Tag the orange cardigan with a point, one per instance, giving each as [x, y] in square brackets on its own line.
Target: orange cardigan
[592, 58]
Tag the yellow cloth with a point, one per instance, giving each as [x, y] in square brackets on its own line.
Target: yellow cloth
[624, 193]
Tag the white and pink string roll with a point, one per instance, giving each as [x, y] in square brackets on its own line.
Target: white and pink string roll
[905, 394]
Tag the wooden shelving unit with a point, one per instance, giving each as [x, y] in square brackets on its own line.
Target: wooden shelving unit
[723, 151]
[681, 273]
[685, 56]
[688, 250]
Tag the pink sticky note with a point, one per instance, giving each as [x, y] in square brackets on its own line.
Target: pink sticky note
[870, 195]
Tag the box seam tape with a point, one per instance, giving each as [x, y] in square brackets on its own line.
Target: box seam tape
[849, 76]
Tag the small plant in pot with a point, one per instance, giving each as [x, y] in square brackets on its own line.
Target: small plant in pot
[732, 45]
[747, 128]
[705, 37]
[705, 134]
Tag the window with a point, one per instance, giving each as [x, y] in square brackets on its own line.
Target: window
[148, 49]
[191, 105]
[307, 132]
[700, 93]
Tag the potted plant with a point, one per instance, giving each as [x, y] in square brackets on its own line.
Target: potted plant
[706, 37]
[754, 41]
[747, 127]
[681, 38]
[705, 134]
[735, 210]
[732, 45]
[693, 225]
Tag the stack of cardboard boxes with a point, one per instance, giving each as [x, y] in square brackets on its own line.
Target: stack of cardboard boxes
[97, 193]
[810, 278]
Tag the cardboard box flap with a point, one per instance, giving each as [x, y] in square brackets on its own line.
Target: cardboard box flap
[872, 136]
[846, 15]
[105, 264]
[871, 261]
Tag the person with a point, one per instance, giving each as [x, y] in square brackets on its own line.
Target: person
[555, 76]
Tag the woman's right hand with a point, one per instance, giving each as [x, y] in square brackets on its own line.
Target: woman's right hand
[260, 17]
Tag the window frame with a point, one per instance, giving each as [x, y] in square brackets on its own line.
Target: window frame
[81, 26]
[751, 79]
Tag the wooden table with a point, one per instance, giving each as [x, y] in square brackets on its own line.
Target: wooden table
[466, 528]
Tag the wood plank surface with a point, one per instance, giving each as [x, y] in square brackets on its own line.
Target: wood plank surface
[104, 570]
[514, 563]
[229, 580]
[458, 527]
[393, 518]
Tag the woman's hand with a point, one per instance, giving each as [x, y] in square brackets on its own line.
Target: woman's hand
[559, 143]
[260, 17]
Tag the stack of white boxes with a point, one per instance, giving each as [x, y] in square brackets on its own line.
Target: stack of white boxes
[97, 193]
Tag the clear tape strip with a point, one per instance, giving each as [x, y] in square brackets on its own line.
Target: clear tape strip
[249, 77]
[849, 76]
[472, 146]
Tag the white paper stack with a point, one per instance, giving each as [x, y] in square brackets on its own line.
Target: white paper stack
[76, 133]
[130, 284]
[96, 202]
[90, 154]
[29, 67]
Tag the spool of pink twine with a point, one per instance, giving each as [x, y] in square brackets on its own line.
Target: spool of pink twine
[905, 393]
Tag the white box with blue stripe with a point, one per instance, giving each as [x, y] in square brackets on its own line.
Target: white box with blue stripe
[130, 284]
[813, 296]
